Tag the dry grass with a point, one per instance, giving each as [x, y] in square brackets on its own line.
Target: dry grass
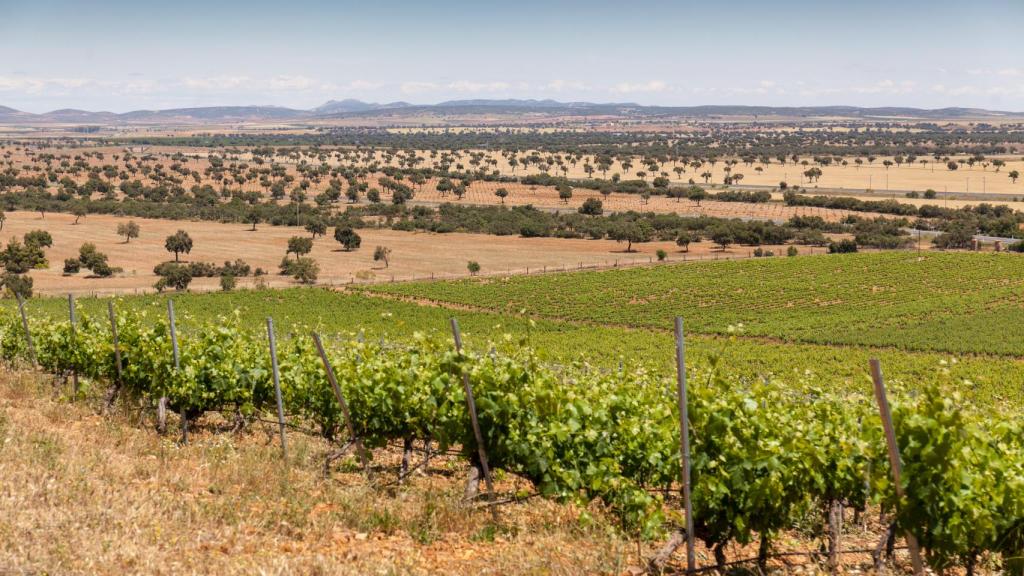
[414, 254]
[88, 494]
[84, 494]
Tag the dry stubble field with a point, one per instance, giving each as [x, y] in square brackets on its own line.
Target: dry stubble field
[415, 254]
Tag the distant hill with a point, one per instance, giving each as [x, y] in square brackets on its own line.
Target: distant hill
[357, 108]
[348, 106]
[73, 116]
[513, 103]
[12, 115]
[215, 113]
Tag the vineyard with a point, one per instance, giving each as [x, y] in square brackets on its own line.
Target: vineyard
[990, 380]
[946, 302]
[576, 396]
[766, 453]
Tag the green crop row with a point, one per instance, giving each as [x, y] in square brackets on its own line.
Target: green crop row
[765, 454]
[945, 302]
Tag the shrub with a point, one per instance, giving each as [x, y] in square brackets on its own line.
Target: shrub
[382, 253]
[94, 260]
[172, 275]
[305, 270]
[227, 282]
[238, 268]
[842, 247]
[792, 251]
[473, 267]
[72, 266]
[592, 207]
[661, 254]
[202, 270]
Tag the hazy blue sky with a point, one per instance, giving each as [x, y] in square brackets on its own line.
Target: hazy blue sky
[125, 55]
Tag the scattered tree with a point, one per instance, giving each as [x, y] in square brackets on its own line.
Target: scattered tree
[17, 284]
[684, 239]
[348, 238]
[564, 192]
[592, 207]
[722, 235]
[299, 245]
[632, 231]
[129, 230]
[316, 227]
[179, 242]
[382, 253]
[697, 194]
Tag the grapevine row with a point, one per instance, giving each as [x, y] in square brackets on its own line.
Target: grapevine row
[763, 456]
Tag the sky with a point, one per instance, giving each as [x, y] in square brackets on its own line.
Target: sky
[128, 55]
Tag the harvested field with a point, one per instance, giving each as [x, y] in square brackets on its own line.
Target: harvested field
[414, 254]
[546, 197]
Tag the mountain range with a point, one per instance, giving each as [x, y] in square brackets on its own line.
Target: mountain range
[356, 108]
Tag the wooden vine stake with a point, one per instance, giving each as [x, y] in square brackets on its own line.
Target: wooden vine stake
[684, 434]
[471, 405]
[277, 386]
[117, 357]
[177, 365]
[658, 563]
[74, 367]
[28, 333]
[894, 455]
[341, 402]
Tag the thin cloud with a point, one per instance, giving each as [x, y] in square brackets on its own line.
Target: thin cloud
[32, 85]
[627, 88]
[475, 87]
[417, 87]
[219, 83]
[565, 86]
[293, 83]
